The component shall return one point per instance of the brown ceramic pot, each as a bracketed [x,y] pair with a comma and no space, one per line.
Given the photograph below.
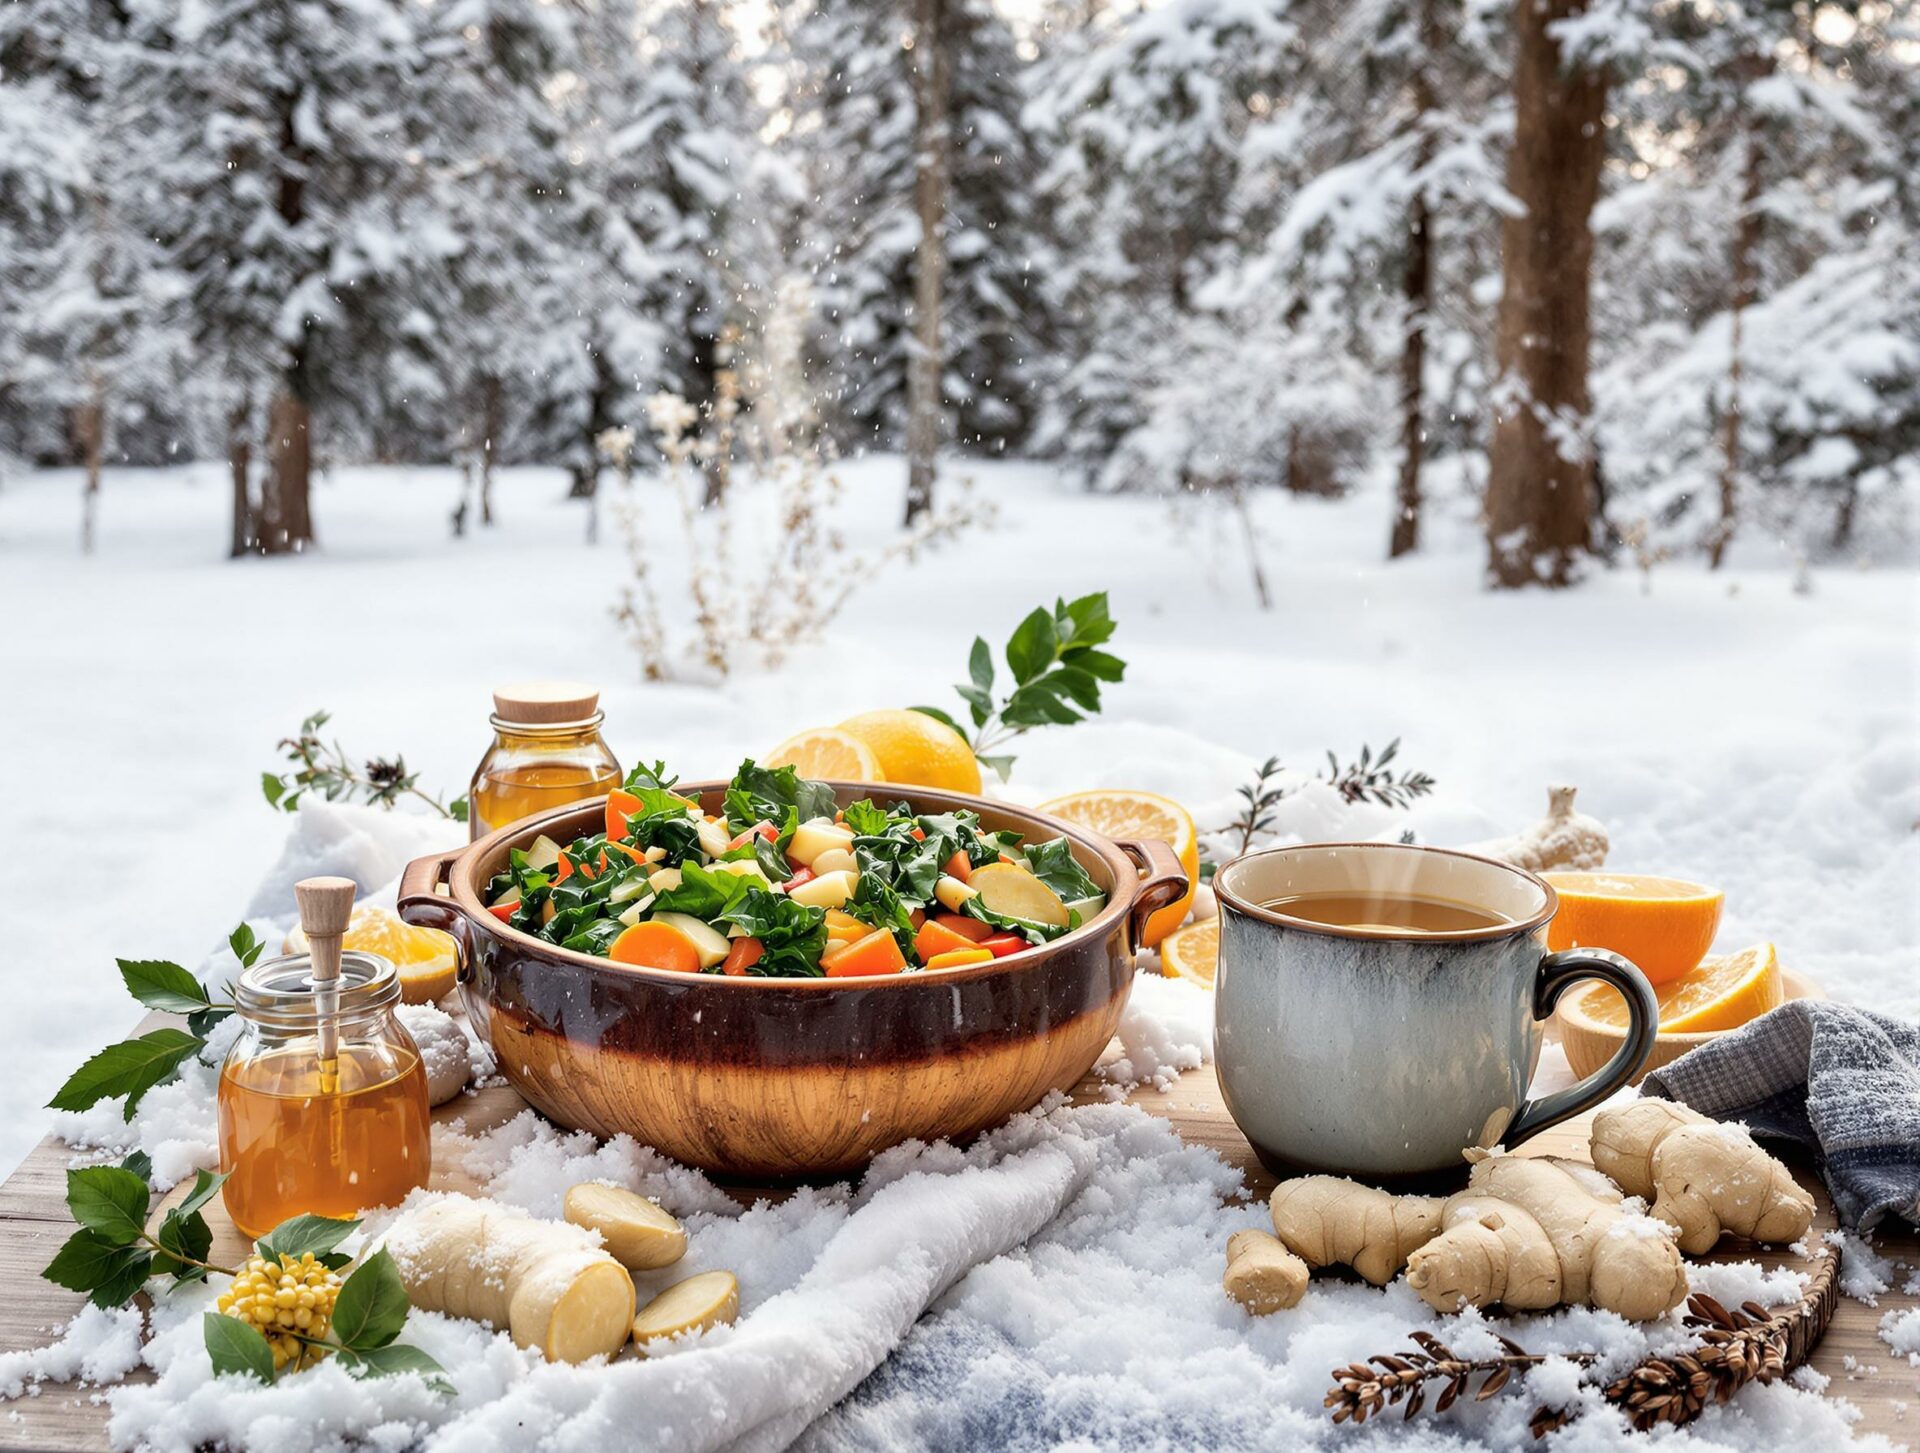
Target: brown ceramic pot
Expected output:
[791,1078]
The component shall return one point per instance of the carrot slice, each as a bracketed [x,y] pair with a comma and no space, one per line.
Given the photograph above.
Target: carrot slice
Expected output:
[656,946]
[745,953]
[971,929]
[936,938]
[958,866]
[620,807]
[503,911]
[877,953]
[954,958]
[1002,944]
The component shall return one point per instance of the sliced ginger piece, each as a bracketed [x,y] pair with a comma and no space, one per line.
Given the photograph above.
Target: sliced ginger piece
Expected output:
[693,1305]
[640,1235]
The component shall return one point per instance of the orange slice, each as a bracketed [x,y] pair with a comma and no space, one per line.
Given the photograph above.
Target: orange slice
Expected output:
[1724,992]
[425,958]
[827,752]
[1192,953]
[1124,814]
[1665,925]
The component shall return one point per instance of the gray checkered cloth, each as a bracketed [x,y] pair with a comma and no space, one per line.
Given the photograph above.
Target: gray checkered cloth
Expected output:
[1842,1082]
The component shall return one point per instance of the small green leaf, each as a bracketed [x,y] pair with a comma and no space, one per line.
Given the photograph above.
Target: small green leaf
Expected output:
[235,1346]
[131,1067]
[1084,622]
[392,1360]
[1098,664]
[201,1022]
[140,1163]
[980,664]
[161,985]
[301,1234]
[88,1261]
[186,1239]
[246,947]
[204,1188]
[1001,766]
[372,1306]
[109,1201]
[457,810]
[1032,647]
[272,788]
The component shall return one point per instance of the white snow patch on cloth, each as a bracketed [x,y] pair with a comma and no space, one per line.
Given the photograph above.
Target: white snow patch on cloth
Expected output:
[1901,1331]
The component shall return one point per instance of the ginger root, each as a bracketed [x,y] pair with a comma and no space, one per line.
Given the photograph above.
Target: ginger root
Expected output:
[1705,1177]
[1562,839]
[545,1282]
[1262,1275]
[1526,1233]
[1331,1221]
[639,1234]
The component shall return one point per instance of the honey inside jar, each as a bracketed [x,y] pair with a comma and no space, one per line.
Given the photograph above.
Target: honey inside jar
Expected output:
[299,1136]
[547,752]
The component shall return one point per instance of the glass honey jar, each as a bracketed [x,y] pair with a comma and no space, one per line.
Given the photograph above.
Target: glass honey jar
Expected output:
[300,1133]
[546,753]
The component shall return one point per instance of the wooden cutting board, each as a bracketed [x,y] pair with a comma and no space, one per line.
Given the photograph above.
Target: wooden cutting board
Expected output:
[34,1221]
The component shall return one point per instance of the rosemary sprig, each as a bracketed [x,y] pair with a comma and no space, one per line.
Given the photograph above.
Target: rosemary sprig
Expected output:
[1364,1389]
[1367,778]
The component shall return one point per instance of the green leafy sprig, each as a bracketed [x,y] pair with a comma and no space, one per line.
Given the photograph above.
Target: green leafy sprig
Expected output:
[324,767]
[134,1066]
[1057,669]
[112,1254]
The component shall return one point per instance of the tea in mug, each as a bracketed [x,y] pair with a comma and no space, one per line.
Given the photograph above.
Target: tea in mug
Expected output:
[1387,913]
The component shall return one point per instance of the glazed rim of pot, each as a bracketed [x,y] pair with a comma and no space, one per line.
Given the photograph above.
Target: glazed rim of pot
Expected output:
[1119,864]
[1550,900]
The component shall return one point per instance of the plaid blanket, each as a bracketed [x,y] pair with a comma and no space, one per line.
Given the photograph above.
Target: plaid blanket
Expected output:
[1842,1082]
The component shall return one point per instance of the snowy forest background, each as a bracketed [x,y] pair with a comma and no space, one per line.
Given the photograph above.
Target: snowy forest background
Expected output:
[1643,274]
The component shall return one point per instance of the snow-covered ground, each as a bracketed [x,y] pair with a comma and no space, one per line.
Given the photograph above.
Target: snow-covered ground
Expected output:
[1725,726]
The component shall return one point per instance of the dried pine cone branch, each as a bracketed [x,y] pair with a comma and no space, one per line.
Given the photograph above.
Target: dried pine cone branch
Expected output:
[1753,1345]
[1365,1388]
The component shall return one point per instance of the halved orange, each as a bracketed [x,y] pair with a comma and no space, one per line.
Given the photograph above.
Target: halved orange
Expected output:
[425,958]
[1192,952]
[1125,814]
[827,752]
[1724,992]
[1665,925]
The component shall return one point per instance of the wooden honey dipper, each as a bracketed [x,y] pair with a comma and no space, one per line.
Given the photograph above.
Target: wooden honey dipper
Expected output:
[326,906]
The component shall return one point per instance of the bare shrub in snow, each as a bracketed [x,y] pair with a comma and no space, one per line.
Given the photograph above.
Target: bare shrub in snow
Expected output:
[766,564]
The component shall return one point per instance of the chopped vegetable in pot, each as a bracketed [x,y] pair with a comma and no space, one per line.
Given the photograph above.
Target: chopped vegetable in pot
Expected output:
[786,884]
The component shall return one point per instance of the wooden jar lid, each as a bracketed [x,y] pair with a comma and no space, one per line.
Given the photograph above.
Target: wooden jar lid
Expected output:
[545,703]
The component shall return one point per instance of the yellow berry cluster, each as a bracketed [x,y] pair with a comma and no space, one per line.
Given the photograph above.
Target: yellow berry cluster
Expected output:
[281,1299]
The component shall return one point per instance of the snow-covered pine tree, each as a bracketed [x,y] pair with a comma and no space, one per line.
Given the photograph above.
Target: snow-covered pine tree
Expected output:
[854,137]
[1764,203]
[659,130]
[276,154]
[1171,148]
[85,335]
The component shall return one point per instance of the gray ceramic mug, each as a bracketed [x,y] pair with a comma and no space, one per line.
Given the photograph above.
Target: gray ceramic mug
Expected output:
[1383,1053]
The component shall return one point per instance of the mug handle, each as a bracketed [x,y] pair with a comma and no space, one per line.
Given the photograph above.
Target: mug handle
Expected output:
[1558,973]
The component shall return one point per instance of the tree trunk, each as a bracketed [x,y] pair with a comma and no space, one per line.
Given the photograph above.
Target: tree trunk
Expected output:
[289,526]
[89,431]
[1539,484]
[490,390]
[924,367]
[1746,286]
[1418,283]
[245,537]
[289,515]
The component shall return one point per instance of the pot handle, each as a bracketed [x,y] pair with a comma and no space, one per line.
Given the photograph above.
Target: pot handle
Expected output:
[422,903]
[1163,881]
